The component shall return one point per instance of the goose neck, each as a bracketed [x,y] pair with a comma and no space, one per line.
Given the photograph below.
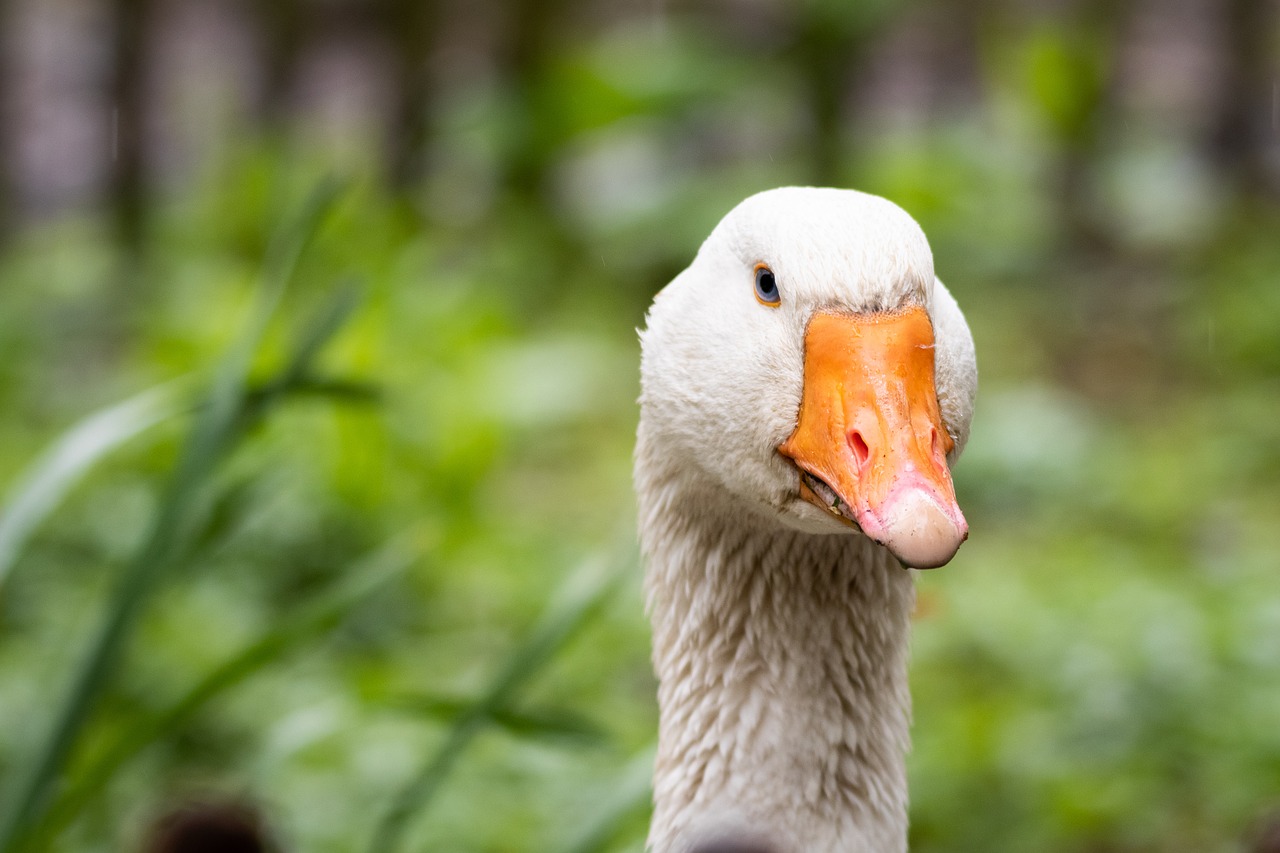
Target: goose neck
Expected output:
[781,658]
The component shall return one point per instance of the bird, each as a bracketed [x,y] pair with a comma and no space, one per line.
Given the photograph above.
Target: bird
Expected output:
[806,385]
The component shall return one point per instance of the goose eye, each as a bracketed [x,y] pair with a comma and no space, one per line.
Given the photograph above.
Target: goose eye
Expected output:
[766,287]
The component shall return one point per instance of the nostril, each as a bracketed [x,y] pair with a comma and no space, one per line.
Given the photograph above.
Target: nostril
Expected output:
[935,448]
[861,452]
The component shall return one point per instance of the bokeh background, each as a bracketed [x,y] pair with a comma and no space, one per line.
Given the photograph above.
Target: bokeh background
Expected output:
[318,369]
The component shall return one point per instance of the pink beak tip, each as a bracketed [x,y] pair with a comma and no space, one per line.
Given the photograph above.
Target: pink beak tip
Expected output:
[920,527]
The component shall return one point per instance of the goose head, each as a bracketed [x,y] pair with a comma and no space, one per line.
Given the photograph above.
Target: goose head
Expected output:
[809,368]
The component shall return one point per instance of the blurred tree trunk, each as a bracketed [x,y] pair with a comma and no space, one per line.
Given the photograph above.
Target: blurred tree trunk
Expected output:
[8,143]
[1098,45]
[954,67]
[126,181]
[410,26]
[522,60]
[831,52]
[823,67]
[1244,127]
[283,31]
[530,135]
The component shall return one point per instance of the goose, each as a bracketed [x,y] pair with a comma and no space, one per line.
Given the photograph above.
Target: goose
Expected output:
[806,384]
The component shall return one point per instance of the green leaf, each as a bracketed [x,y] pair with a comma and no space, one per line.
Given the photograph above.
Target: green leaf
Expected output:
[579,599]
[306,622]
[41,488]
[217,426]
[632,794]
[1066,76]
[297,371]
[556,724]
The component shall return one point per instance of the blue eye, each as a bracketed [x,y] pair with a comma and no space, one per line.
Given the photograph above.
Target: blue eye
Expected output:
[767,287]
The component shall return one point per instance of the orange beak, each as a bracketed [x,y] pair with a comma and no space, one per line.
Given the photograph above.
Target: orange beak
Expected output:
[870,443]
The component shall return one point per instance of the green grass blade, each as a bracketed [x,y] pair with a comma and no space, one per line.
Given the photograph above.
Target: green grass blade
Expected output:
[215,429]
[324,326]
[581,597]
[553,724]
[41,488]
[632,794]
[332,387]
[297,372]
[228,387]
[321,614]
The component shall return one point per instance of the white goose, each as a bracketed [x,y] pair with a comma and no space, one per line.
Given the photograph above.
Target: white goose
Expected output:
[805,384]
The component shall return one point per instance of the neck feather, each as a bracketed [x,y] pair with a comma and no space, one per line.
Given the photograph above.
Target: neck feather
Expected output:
[781,658]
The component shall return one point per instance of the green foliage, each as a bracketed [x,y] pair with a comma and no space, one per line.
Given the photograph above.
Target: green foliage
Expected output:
[1066,74]
[585,594]
[262,573]
[41,488]
[221,417]
[300,626]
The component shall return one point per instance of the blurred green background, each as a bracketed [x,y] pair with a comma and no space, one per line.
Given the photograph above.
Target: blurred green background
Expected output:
[315,489]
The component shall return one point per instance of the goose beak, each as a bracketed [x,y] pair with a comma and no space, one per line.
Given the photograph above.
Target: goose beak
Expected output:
[869,442]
